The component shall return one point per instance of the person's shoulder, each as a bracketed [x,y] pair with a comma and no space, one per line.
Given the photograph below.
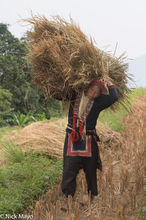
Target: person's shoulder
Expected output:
[98,99]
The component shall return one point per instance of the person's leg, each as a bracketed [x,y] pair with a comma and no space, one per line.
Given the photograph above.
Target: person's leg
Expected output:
[70,170]
[90,168]
[71,166]
[90,165]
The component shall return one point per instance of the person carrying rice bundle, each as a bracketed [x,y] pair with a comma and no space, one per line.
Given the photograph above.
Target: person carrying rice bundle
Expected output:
[67,66]
[80,147]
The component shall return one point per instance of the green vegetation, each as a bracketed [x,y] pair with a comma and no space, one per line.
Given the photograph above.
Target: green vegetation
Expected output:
[22,120]
[27,177]
[5,106]
[5,100]
[114,119]
[18,95]
[137,92]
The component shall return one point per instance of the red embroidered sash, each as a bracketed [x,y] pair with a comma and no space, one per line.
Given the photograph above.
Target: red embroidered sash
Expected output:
[78,145]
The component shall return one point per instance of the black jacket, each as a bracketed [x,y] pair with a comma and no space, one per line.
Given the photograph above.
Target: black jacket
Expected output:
[100,103]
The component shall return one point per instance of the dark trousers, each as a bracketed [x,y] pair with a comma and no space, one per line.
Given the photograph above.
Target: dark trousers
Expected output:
[71,167]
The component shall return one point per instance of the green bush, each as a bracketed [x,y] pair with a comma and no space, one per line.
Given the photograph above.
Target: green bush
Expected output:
[40,117]
[23,120]
[6,118]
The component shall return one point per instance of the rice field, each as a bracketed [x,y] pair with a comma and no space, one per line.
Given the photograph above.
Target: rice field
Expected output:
[121,185]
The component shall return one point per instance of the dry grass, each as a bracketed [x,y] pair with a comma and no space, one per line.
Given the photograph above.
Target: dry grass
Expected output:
[41,137]
[48,137]
[121,185]
[64,59]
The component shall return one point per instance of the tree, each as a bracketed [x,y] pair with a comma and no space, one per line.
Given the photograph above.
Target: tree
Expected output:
[5,107]
[13,67]
[15,76]
[5,100]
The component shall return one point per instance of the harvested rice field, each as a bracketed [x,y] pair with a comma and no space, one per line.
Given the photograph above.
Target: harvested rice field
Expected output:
[121,184]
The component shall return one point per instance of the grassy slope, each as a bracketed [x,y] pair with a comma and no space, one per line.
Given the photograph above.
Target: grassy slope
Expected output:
[113,119]
[27,177]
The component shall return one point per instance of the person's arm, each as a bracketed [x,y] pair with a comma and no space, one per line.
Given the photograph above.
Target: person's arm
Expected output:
[111,98]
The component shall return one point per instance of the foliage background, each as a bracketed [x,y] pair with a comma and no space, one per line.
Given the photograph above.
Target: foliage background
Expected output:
[17,92]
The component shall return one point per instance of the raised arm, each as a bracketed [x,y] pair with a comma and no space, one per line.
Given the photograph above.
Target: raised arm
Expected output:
[111,98]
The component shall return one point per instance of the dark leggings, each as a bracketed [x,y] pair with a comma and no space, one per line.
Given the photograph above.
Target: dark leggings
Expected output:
[72,165]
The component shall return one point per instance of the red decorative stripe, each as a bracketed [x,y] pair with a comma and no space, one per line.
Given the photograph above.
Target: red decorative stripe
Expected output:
[86,152]
[82,119]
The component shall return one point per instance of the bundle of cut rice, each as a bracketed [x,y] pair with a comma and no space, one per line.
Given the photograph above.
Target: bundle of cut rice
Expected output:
[65,60]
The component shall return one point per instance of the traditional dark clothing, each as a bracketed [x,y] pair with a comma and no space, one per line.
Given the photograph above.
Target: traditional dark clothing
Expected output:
[80,147]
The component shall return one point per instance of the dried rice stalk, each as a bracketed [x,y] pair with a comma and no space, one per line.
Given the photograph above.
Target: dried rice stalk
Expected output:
[65,60]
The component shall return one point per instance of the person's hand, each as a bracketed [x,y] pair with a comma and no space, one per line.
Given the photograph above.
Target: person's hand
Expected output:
[110,83]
